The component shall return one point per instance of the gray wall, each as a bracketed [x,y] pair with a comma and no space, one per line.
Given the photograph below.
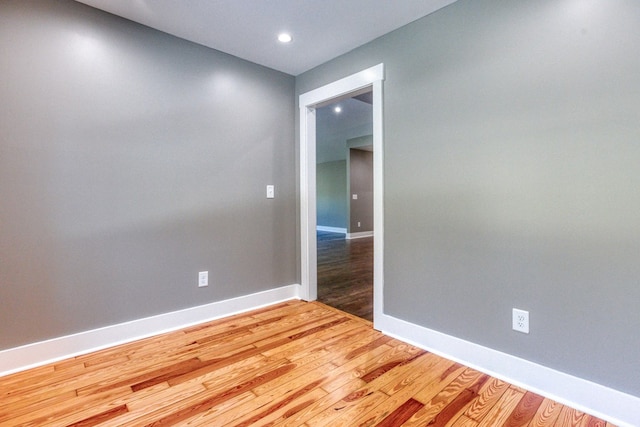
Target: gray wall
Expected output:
[331,194]
[512,177]
[360,183]
[129,161]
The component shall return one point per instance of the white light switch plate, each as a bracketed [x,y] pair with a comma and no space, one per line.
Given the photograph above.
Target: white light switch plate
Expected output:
[271,191]
[203,279]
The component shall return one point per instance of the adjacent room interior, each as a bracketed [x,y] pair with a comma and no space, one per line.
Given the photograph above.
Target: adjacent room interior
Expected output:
[344,194]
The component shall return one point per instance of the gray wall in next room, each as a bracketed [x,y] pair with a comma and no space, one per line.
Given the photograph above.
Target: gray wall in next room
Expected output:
[511,177]
[331,194]
[361,184]
[129,161]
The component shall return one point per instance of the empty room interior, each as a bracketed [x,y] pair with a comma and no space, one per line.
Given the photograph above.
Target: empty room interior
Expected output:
[344,204]
[164,194]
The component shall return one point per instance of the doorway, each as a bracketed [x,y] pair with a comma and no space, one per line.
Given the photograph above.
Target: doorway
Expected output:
[369,80]
[344,205]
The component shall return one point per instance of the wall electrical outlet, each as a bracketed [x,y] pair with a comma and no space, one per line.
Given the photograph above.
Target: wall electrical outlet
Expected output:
[203,279]
[521,321]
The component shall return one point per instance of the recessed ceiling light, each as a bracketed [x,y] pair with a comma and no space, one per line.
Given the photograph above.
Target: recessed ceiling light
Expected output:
[338,109]
[284,38]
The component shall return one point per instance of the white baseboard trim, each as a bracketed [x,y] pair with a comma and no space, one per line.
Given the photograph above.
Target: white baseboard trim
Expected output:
[41,353]
[359,235]
[608,404]
[331,229]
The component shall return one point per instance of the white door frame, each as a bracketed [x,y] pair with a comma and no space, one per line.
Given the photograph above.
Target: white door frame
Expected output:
[308,102]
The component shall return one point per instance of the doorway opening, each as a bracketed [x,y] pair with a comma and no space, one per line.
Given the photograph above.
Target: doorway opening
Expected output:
[344,204]
[366,81]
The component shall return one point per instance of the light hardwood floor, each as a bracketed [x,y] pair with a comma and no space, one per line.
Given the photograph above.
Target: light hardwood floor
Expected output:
[292,364]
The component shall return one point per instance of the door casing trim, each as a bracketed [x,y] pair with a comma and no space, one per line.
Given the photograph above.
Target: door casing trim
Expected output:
[372,77]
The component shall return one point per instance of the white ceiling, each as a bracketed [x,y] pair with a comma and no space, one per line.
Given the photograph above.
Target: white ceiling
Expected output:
[334,129]
[321,29]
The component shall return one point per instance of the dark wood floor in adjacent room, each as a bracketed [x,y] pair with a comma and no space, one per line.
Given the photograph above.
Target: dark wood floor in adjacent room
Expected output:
[345,273]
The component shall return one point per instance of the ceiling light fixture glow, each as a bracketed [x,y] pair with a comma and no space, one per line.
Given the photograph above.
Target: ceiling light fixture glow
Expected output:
[338,109]
[284,38]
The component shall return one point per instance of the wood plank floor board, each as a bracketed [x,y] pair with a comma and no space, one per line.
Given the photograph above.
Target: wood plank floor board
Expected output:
[526,409]
[276,402]
[177,412]
[351,342]
[356,369]
[424,362]
[231,374]
[491,392]
[18,379]
[98,381]
[320,405]
[279,411]
[318,344]
[400,406]
[216,415]
[28,406]
[546,414]
[268,333]
[137,369]
[342,331]
[501,411]
[464,421]
[447,399]
[257,328]
[381,364]
[305,372]
[569,417]
[348,409]
[451,412]
[68,411]
[294,364]
[368,395]
[392,360]
[435,371]
[400,414]
[267,339]
[353,326]
[278,339]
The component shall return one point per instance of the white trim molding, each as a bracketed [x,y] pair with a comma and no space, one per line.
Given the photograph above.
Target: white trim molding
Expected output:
[41,353]
[359,235]
[365,80]
[331,229]
[603,402]
[343,86]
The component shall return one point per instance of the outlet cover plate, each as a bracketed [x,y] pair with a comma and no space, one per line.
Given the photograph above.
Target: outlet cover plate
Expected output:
[521,320]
